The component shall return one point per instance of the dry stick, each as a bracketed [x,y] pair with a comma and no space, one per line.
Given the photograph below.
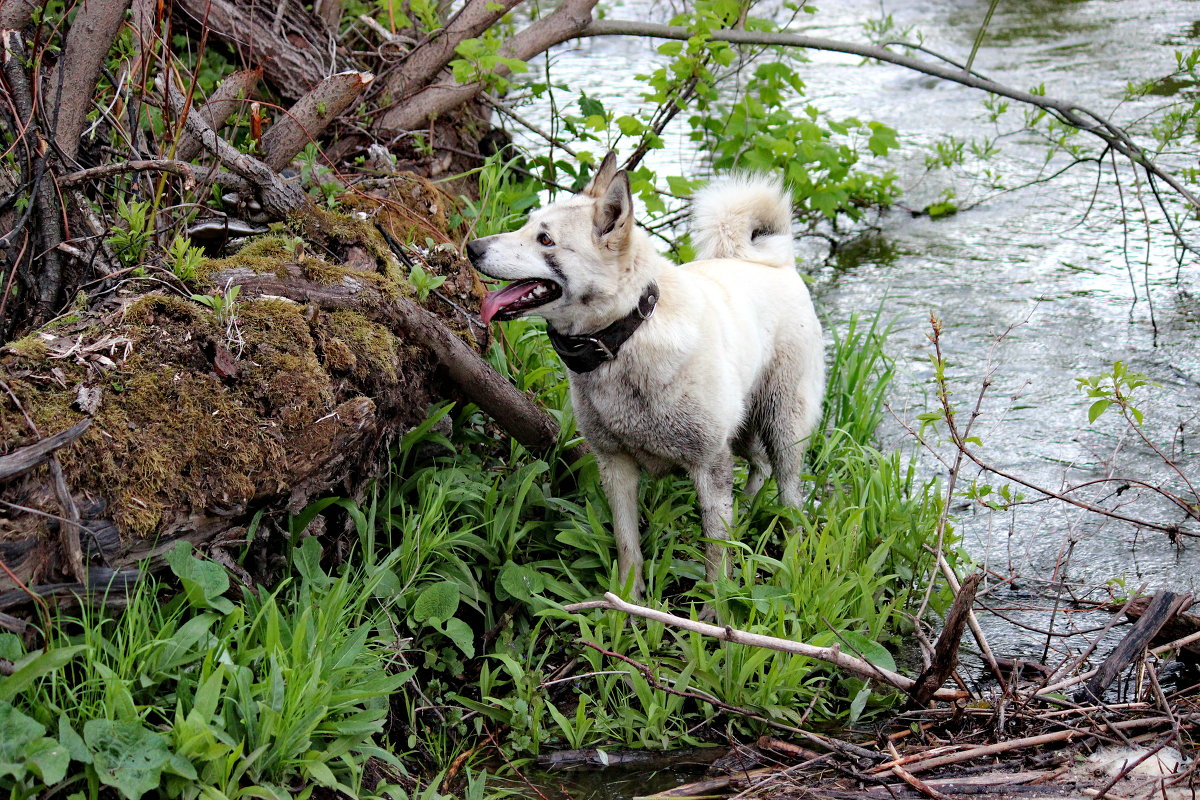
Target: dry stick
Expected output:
[945,652]
[832,655]
[175,167]
[279,197]
[1069,682]
[1161,609]
[310,115]
[26,458]
[1014,744]
[918,784]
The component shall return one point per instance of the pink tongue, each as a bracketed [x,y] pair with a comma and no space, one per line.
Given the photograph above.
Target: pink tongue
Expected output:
[501,298]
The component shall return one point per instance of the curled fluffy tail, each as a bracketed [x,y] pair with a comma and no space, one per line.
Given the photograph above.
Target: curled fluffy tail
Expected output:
[747,216]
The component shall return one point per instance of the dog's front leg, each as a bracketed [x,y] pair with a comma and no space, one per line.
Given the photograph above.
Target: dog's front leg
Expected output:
[620,475]
[714,491]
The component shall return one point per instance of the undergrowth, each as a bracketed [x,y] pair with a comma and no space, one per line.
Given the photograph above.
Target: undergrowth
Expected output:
[450,612]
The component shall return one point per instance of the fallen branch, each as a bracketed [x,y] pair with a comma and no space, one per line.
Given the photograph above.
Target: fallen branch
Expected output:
[1161,609]
[74,80]
[831,655]
[311,114]
[945,652]
[26,458]
[984,751]
[175,167]
[220,106]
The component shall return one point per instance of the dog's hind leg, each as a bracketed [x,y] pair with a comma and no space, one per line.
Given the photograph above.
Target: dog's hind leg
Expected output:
[620,475]
[760,465]
[714,491]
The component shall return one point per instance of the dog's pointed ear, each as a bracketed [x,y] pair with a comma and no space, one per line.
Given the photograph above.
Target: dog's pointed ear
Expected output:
[603,176]
[614,211]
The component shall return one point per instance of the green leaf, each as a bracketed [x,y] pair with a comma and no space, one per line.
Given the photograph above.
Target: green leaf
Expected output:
[461,634]
[630,126]
[49,760]
[1098,408]
[72,741]
[859,703]
[126,755]
[437,603]
[203,581]
[521,581]
[17,731]
[34,666]
[859,645]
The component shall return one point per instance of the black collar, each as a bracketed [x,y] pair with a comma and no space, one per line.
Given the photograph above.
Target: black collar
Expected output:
[585,352]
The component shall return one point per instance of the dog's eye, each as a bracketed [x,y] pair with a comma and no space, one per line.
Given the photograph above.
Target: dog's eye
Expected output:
[544,240]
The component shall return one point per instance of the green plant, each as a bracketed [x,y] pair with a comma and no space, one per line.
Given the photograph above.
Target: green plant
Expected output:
[130,243]
[223,305]
[184,258]
[423,281]
[202,696]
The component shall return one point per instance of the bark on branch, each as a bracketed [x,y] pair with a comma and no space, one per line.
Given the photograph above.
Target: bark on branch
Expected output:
[219,107]
[311,115]
[74,80]
[566,22]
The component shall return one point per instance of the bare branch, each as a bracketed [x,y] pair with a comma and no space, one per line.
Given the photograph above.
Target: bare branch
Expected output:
[279,197]
[180,168]
[831,655]
[219,107]
[423,63]
[1067,112]
[311,114]
[565,22]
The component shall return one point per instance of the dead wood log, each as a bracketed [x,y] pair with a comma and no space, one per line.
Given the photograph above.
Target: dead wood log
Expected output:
[311,115]
[1178,626]
[290,43]
[1159,610]
[211,421]
[24,459]
[945,652]
[16,14]
[568,20]
[74,79]
[218,108]
[422,64]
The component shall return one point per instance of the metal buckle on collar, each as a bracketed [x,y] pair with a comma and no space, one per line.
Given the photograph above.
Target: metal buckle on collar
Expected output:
[605,353]
[653,301]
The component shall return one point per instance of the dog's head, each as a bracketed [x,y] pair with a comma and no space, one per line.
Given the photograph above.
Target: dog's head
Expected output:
[567,262]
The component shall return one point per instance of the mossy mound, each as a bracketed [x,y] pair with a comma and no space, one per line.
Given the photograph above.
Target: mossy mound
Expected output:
[194,416]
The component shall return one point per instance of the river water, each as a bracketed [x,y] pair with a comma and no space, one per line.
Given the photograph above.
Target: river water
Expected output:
[1036,286]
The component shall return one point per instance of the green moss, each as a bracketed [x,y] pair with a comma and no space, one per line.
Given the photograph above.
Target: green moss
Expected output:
[372,348]
[281,362]
[320,224]
[264,255]
[154,308]
[29,348]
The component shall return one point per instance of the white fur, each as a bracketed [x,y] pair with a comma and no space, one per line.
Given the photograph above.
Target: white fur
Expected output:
[731,362]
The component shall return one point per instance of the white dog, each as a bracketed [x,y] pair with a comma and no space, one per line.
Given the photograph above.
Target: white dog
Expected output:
[672,366]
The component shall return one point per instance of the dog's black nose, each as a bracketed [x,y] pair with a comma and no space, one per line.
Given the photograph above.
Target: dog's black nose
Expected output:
[475,250]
